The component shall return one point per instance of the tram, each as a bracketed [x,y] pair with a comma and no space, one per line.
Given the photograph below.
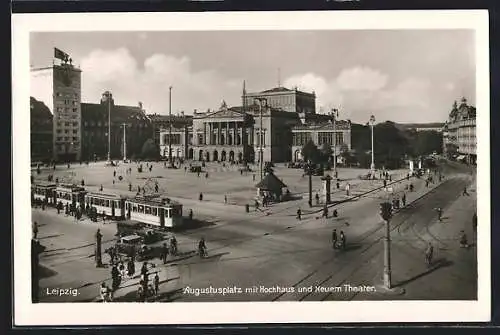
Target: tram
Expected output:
[111,205]
[154,211]
[70,194]
[44,192]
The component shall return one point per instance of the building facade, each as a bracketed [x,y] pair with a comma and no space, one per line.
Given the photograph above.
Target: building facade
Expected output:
[459,132]
[336,136]
[59,88]
[269,124]
[41,131]
[130,121]
[178,138]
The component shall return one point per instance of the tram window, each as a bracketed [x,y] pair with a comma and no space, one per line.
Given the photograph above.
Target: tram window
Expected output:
[107,203]
[174,211]
[155,211]
[134,208]
[167,213]
[141,209]
[147,210]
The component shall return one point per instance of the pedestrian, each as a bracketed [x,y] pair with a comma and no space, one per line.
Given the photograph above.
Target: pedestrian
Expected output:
[325,211]
[256,205]
[342,240]
[427,183]
[103,217]
[334,239]
[465,192]
[113,181]
[463,240]
[100,188]
[440,212]
[299,214]
[254,177]
[225,199]
[347,188]
[206,175]
[157,283]
[201,197]
[130,268]
[35,230]
[129,187]
[83,182]
[428,253]
[474,222]
[164,253]
[104,292]
[115,276]
[190,214]
[317,198]
[140,292]
[335,213]
[403,199]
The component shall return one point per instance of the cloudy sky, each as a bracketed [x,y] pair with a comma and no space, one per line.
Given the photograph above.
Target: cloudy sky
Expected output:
[403,76]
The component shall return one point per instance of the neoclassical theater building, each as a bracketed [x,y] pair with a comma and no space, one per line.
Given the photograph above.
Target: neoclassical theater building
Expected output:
[273,124]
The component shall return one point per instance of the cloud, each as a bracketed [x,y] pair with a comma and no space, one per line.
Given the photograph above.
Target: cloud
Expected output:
[119,72]
[361,78]
[361,91]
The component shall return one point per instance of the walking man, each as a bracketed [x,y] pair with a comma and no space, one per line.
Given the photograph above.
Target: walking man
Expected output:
[35,230]
[156,283]
[325,211]
[440,213]
[299,214]
[225,199]
[403,199]
[347,188]
[465,192]
[334,239]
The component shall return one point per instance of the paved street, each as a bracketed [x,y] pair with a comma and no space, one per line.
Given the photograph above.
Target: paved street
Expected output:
[265,253]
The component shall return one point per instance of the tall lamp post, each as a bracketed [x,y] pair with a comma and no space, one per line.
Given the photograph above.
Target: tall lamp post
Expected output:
[109,127]
[372,166]
[124,125]
[262,105]
[335,114]
[170,161]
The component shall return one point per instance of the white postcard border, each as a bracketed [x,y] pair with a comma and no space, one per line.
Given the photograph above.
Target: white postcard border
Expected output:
[26,313]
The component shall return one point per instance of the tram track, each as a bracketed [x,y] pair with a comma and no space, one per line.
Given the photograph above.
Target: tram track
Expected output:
[374,253]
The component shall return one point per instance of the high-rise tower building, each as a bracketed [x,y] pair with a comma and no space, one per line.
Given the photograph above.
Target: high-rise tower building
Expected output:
[59,87]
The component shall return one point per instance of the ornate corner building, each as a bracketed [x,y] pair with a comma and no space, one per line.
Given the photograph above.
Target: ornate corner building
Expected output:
[459,134]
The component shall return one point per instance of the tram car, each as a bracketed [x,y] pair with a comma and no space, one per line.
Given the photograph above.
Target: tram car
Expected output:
[111,205]
[70,194]
[44,192]
[157,212]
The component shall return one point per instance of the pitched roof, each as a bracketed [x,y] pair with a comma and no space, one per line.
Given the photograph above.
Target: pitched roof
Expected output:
[277,89]
[39,110]
[270,183]
[118,113]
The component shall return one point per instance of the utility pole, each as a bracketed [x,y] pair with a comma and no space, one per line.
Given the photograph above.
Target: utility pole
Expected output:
[372,166]
[109,127]
[262,103]
[124,125]
[334,115]
[170,161]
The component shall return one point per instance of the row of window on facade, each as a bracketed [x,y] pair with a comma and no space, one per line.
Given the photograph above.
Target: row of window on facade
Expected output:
[66,147]
[230,140]
[142,209]
[66,131]
[66,138]
[302,138]
[67,124]
[274,101]
[105,124]
[74,95]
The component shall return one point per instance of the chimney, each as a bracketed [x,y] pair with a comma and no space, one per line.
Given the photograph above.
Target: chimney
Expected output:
[140,105]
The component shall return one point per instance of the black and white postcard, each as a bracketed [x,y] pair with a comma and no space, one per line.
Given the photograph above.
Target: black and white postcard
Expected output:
[265,167]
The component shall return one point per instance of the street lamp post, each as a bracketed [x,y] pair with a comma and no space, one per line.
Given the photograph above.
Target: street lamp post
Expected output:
[171,163]
[109,128]
[372,166]
[262,103]
[334,116]
[124,125]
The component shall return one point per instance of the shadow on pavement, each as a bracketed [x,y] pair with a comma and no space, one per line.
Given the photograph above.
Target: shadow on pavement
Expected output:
[50,236]
[193,224]
[349,247]
[436,264]
[44,272]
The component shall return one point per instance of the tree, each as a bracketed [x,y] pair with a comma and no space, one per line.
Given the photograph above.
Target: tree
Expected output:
[310,152]
[150,150]
[326,152]
[427,142]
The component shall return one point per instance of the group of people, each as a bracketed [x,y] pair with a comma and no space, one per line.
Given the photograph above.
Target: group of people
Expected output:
[168,250]
[338,242]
